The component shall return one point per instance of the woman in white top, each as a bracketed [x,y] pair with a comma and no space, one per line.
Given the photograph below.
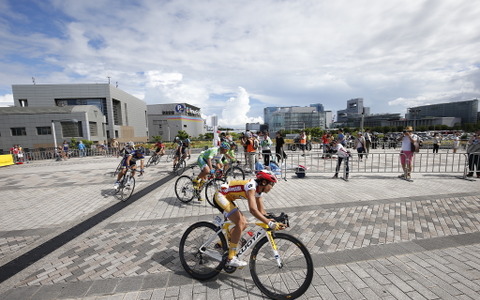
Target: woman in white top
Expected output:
[409,139]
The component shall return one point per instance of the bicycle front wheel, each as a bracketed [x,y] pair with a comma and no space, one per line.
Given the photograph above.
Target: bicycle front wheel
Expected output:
[127,187]
[289,280]
[184,188]
[234,173]
[211,187]
[202,259]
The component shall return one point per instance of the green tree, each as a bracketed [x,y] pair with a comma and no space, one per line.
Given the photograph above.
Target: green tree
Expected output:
[182,134]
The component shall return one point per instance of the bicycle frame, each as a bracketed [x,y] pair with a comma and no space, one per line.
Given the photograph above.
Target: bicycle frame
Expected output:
[224,227]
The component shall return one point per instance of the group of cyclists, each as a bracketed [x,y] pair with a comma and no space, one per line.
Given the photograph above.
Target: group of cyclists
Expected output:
[209,160]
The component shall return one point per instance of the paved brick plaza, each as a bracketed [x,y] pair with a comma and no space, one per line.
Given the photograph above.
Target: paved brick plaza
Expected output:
[373,237]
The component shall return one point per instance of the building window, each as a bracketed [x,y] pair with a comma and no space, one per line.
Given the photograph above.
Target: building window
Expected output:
[44,130]
[71,129]
[17,131]
[93,128]
[23,102]
[117,112]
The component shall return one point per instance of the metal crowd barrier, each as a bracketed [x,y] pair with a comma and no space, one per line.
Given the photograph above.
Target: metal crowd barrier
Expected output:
[377,163]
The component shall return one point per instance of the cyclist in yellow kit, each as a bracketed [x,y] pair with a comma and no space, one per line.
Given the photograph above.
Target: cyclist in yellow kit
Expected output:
[252,190]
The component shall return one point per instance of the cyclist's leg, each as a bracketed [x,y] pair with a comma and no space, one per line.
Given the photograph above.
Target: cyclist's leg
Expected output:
[231,211]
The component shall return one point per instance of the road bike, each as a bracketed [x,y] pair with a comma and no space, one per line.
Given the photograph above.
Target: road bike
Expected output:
[280,264]
[127,185]
[170,155]
[186,189]
[234,172]
[153,160]
[119,167]
[180,166]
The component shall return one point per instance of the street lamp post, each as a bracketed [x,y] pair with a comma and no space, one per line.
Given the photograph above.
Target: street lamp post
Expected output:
[55,135]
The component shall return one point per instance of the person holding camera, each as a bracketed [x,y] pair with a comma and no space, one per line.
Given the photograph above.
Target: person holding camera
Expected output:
[409,141]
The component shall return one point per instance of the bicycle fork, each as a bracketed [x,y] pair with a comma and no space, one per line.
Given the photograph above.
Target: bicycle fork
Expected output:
[275,253]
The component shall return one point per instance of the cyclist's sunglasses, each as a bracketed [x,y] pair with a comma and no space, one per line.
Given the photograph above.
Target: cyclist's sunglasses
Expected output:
[271,183]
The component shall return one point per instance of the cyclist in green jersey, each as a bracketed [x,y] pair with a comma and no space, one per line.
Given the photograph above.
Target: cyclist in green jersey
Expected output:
[207,159]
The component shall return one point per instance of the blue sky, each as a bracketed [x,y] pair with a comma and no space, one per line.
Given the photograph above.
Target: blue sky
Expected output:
[232,58]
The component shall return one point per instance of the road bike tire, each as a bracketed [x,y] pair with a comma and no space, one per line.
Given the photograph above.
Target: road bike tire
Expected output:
[211,187]
[180,167]
[309,146]
[184,189]
[117,170]
[151,161]
[126,190]
[196,261]
[170,155]
[291,280]
[234,173]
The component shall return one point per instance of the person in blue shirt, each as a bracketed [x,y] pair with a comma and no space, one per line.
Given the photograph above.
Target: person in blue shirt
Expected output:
[81,148]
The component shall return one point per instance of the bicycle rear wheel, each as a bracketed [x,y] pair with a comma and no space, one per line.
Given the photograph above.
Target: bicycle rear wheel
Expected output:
[234,173]
[127,187]
[292,278]
[184,188]
[211,187]
[202,261]
[118,169]
[153,160]
[180,167]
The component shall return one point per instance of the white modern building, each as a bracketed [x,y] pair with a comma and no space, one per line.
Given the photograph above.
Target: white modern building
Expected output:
[166,120]
[124,116]
[33,127]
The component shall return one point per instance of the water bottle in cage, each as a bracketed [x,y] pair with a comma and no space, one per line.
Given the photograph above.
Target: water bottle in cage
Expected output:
[244,238]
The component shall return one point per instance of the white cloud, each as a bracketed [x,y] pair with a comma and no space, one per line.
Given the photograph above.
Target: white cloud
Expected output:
[6,100]
[391,53]
[234,114]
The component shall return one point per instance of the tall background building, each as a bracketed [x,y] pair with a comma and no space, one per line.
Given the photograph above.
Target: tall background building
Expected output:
[297,118]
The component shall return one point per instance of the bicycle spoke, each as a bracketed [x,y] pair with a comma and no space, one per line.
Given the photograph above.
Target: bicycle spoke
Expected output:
[184,189]
[293,278]
[202,261]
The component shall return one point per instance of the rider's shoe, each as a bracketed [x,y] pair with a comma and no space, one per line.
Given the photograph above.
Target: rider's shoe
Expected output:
[235,262]
[116,185]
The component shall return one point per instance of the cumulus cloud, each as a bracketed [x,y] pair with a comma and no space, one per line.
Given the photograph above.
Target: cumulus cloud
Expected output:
[235,112]
[391,53]
[6,100]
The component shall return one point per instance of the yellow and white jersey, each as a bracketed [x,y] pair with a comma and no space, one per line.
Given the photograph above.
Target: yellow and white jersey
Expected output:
[236,189]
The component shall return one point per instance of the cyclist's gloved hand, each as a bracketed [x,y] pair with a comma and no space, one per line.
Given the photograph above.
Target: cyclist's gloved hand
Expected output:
[212,171]
[276,225]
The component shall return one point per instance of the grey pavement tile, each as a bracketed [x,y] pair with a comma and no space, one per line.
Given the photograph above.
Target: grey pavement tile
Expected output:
[20,293]
[156,281]
[47,292]
[128,284]
[103,287]
[75,289]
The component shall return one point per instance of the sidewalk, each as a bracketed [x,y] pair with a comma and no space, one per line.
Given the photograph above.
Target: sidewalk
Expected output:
[374,237]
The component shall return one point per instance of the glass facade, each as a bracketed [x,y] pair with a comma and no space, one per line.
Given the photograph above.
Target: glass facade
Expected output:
[466,110]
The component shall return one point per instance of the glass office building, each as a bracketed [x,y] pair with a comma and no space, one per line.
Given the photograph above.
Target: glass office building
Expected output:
[467,111]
